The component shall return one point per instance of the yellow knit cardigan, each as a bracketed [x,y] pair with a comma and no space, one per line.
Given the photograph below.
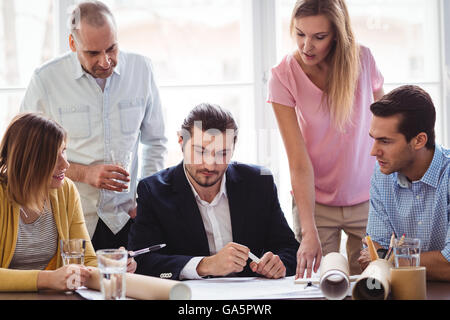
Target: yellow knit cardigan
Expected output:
[69,219]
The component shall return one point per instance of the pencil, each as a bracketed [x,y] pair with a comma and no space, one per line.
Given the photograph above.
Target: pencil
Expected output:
[391,245]
[400,242]
[372,250]
[254,258]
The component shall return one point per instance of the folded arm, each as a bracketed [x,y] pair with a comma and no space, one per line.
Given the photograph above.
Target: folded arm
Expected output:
[438,268]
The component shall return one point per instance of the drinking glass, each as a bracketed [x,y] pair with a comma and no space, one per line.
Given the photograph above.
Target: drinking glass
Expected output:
[72,251]
[407,252]
[122,158]
[112,264]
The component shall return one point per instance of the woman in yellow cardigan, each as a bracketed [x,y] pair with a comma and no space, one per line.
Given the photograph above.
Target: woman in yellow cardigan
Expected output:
[38,207]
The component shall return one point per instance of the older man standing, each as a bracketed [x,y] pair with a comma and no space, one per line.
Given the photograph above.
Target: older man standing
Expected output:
[107,101]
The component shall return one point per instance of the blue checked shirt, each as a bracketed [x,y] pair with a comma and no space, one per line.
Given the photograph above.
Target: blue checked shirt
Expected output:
[420,209]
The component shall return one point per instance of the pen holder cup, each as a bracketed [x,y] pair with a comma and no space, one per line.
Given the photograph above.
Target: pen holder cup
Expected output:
[374,282]
[334,279]
[409,283]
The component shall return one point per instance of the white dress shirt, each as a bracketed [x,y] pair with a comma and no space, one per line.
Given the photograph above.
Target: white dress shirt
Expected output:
[127,112]
[217,222]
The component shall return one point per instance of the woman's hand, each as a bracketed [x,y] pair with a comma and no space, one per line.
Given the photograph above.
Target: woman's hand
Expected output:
[67,278]
[309,255]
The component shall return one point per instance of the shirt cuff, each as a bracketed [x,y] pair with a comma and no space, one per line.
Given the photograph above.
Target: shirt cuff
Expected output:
[189,272]
[446,253]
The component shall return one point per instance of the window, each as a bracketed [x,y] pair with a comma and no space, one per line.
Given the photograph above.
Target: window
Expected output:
[26,41]
[220,51]
[404,37]
[404,42]
[201,52]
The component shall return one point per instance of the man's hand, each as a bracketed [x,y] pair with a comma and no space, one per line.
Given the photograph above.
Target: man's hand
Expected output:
[232,258]
[131,263]
[270,266]
[364,258]
[309,255]
[107,176]
[133,213]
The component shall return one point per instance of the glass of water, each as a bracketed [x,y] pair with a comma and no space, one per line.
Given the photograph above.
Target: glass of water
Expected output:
[122,158]
[407,252]
[112,264]
[72,251]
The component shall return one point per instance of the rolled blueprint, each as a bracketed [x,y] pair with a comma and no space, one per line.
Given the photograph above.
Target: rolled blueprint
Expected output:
[147,288]
[374,282]
[334,276]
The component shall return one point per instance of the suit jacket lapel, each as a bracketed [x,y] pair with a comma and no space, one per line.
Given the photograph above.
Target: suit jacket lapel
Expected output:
[188,212]
[237,204]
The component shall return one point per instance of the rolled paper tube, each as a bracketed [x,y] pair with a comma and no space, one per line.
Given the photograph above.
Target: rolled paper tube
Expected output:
[372,250]
[374,282]
[146,288]
[334,278]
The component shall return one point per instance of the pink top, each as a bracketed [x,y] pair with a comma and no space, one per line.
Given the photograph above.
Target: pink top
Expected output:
[341,160]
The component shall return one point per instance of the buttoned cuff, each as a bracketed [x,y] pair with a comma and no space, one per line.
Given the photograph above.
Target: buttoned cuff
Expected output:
[189,272]
[446,253]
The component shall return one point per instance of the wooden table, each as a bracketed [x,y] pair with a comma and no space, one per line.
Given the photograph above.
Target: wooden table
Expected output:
[435,291]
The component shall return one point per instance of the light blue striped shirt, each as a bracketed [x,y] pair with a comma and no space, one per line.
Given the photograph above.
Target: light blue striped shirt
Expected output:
[420,209]
[126,114]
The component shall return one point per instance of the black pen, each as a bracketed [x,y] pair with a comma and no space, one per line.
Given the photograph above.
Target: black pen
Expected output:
[132,254]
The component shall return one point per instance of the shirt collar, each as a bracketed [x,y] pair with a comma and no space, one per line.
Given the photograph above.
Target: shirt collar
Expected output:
[431,176]
[222,190]
[118,67]
[78,70]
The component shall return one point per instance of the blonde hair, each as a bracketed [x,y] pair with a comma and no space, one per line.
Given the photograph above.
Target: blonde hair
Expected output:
[343,58]
[28,155]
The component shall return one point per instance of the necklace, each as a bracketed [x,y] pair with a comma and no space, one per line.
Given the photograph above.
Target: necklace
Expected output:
[39,213]
[24,213]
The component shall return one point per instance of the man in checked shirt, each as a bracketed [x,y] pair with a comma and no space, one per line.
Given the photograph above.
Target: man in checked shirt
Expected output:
[410,187]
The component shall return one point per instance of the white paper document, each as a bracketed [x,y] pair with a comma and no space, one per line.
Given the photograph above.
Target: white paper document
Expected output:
[90,294]
[252,289]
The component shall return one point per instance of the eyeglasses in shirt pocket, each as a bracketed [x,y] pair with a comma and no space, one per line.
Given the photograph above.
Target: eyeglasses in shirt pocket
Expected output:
[76,121]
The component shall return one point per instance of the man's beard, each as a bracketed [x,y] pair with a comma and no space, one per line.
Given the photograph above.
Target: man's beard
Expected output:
[96,74]
[205,184]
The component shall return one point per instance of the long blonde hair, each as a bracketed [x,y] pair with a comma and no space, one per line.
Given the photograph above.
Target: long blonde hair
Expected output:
[28,155]
[343,58]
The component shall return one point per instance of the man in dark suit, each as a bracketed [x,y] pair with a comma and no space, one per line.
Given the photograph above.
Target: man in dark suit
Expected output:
[210,212]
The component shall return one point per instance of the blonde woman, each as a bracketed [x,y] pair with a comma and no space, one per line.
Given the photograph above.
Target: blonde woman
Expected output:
[321,95]
[38,206]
